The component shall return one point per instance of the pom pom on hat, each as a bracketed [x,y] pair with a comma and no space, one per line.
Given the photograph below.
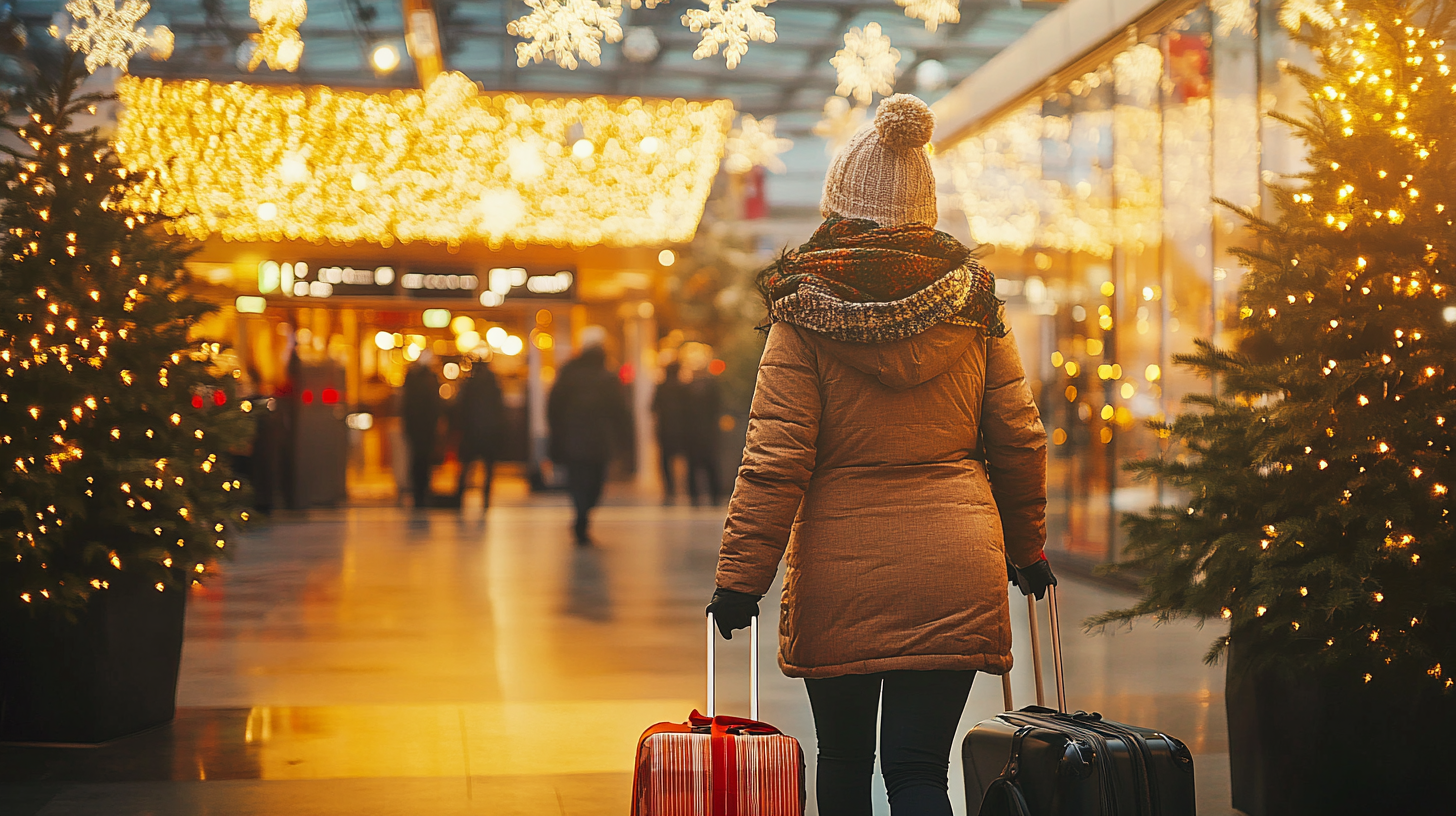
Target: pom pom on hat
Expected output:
[904,122]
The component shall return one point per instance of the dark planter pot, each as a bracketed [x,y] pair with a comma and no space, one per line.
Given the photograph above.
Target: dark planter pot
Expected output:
[1326,743]
[110,673]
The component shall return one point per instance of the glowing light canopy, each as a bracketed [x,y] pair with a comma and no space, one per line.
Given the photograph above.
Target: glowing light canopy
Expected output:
[447,165]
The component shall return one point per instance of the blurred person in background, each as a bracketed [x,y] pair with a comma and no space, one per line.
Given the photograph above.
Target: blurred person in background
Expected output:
[667,405]
[589,418]
[480,415]
[702,404]
[421,413]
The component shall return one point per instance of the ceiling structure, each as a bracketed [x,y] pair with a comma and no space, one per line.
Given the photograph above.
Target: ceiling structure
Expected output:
[790,78]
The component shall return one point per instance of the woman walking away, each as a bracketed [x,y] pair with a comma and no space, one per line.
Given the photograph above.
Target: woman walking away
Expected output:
[895,453]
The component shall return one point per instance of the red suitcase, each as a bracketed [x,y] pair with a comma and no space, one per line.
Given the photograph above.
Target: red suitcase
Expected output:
[719,765]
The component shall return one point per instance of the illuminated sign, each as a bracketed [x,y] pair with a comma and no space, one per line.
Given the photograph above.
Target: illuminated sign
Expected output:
[557,284]
[303,279]
[517,281]
[437,285]
[298,279]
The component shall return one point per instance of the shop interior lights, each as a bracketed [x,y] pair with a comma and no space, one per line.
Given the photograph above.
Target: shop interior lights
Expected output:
[447,165]
[1001,184]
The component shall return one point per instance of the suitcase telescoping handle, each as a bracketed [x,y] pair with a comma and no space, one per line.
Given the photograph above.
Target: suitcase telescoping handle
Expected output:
[1036,654]
[752,667]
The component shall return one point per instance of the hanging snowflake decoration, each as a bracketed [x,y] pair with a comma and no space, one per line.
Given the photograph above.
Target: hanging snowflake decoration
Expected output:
[1233,15]
[933,12]
[107,33]
[1293,12]
[866,64]
[563,30]
[278,43]
[730,26]
[840,121]
[754,144]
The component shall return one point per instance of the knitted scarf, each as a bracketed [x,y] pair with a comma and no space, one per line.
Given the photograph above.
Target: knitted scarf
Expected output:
[859,282]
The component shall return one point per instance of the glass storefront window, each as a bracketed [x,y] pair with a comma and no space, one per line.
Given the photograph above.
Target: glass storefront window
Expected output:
[1101,197]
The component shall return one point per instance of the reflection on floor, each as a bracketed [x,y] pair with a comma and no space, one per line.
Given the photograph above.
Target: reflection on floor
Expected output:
[377,661]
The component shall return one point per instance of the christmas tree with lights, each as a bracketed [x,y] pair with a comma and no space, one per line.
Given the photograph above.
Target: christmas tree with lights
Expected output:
[115,423]
[1314,485]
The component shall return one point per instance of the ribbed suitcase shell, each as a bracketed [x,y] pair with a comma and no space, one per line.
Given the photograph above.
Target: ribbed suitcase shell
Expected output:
[675,769]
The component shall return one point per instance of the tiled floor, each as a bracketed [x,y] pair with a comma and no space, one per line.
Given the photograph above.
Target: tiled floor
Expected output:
[375,661]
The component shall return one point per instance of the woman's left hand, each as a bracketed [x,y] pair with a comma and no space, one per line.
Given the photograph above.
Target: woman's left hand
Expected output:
[1032,580]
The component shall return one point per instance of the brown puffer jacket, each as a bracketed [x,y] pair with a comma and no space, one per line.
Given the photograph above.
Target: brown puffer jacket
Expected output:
[865,462]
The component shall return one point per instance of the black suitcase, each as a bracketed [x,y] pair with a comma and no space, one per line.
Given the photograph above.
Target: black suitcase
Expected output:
[1041,762]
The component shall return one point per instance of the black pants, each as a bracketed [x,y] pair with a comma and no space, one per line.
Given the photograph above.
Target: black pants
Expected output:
[917,730]
[467,463]
[584,480]
[421,467]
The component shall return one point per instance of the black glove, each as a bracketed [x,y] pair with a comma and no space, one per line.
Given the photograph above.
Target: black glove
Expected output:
[733,610]
[1032,580]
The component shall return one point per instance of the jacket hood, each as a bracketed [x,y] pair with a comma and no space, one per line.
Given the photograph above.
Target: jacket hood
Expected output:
[906,363]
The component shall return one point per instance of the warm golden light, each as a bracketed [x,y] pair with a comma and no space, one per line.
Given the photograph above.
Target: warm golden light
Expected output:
[446,165]
[385,58]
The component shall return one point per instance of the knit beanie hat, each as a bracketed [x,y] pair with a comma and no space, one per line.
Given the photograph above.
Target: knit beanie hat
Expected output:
[884,173]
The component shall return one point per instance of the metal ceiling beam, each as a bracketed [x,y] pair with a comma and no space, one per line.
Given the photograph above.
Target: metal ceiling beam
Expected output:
[476,34]
[817,48]
[816,56]
[341,80]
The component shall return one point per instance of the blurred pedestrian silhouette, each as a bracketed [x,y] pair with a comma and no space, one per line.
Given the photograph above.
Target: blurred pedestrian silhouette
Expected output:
[702,406]
[588,415]
[667,404]
[421,412]
[480,415]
